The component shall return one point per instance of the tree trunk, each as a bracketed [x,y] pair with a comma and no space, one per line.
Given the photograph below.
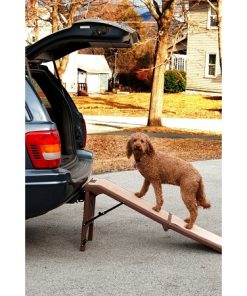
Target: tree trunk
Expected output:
[32,15]
[156,97]
[63,62]
[54,16]
[36,28]
[163,19]
[219,15]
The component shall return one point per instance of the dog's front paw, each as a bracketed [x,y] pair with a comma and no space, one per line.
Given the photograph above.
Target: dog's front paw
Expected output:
[138,194]
[156,208]
[189,225]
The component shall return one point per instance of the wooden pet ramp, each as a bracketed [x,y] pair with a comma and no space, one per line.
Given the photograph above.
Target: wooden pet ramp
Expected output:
[167,220]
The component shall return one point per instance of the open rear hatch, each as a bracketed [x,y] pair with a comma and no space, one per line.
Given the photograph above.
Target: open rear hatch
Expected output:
[82,34]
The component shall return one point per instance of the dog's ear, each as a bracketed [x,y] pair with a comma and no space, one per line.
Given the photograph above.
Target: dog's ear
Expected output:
[129,149]
[150,148]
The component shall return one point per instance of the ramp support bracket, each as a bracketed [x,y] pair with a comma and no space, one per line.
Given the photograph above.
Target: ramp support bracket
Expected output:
[102,213]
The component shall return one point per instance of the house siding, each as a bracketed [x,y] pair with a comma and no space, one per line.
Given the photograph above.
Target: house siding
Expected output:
[201,41]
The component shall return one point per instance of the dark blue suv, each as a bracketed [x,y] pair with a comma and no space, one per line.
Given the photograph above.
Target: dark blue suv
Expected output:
[57,164]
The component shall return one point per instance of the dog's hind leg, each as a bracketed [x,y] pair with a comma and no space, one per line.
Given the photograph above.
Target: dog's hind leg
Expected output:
[188,192]
[144,189]
[192,208]
[158,194]
[201,196]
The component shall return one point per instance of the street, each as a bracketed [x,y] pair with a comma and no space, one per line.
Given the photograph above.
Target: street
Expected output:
[130,254]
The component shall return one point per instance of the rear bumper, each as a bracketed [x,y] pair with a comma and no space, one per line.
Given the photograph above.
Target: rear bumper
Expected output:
[48,189]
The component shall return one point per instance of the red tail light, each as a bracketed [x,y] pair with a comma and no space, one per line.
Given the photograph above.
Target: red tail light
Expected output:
[44,149]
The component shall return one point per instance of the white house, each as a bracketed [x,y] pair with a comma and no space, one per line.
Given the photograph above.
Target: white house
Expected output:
[94,71]
[87,72]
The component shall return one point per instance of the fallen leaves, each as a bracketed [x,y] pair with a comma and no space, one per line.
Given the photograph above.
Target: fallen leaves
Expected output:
[110,150]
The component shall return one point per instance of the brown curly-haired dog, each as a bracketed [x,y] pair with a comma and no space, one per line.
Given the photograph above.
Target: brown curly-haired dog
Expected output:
[159,168]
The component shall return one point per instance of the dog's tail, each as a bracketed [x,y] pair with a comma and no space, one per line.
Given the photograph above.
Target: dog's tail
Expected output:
[201,196]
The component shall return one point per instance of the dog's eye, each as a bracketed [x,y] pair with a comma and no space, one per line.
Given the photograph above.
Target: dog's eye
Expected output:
[142,141]
[135,140]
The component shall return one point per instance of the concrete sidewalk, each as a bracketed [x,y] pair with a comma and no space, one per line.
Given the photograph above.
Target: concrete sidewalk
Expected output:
[96,124]
[130,254]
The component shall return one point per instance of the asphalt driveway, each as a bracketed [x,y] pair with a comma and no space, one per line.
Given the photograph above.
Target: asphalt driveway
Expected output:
[130,254]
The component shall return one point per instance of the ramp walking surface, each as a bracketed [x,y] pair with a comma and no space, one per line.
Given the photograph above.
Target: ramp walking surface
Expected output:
[130,254]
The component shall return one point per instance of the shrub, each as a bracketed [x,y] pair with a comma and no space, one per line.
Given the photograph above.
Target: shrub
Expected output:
[146,77]
[175,81]
[136,81]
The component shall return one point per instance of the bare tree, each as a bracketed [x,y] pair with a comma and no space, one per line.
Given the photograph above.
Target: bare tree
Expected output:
[167,34]
[32,16]
[60,14]
[163,15]
[124,60]
[71,14]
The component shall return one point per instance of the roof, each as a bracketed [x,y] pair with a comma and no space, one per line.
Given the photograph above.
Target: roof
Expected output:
[180,42]
[91,63]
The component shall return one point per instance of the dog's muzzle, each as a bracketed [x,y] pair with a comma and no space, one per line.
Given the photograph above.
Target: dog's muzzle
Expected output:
[137,148]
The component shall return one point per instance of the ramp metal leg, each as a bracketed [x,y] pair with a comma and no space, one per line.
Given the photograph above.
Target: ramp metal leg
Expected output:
[89,209]
[166,226]
[92,210]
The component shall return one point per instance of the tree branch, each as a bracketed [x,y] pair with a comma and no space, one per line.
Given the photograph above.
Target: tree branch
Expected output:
[166,4]
[212,5]
[152,9]
[156,5]
[181,27]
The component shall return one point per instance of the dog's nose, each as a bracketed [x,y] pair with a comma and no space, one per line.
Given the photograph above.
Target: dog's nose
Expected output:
[137,146]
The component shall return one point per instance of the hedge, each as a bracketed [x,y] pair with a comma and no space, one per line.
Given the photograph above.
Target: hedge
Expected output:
[175,81]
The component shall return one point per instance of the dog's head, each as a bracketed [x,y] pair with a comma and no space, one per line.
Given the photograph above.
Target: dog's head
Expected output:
[139,144]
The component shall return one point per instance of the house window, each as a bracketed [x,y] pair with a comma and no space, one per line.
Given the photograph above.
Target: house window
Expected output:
[212,18]
[210,70]
[178,62]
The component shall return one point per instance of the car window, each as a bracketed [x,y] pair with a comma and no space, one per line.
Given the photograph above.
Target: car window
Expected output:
[27,115]
[34,109]
[41,94]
